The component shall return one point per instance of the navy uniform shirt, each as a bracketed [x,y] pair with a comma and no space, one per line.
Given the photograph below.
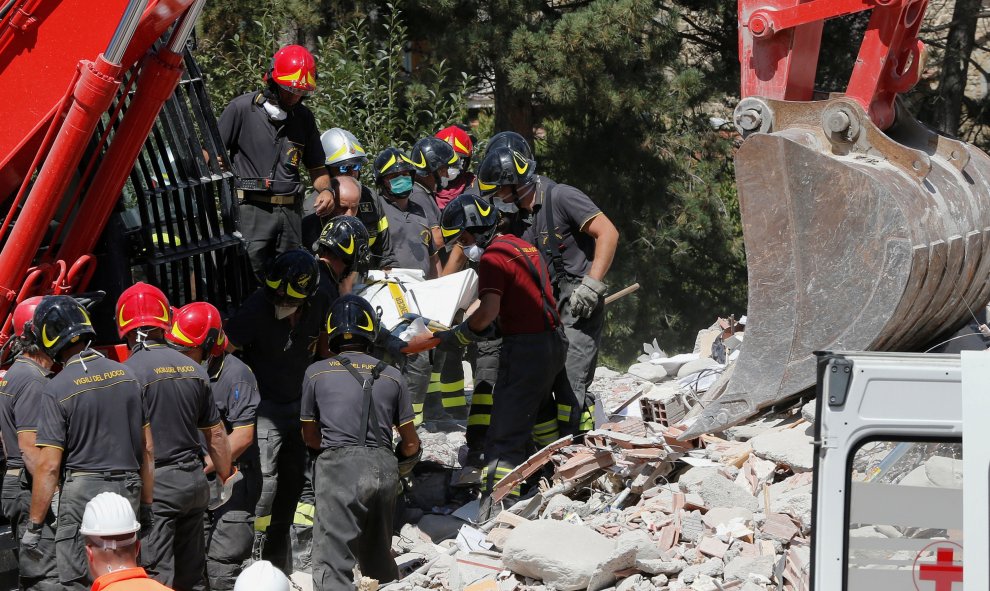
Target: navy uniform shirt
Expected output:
[94,411]
[180,403]
[335,400]
[411,236]
[329,284]
[235,393]
[20,404]
[572,210]
[262,148]
[276,351]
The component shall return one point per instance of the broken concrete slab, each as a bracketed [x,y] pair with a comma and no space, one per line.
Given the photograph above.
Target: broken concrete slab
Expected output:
[795,502]
[604,373]
[719,491]
[808,411]
[440,527]
[644,547]
[791,447]
[723,515]
[560,554]
[744,567]
[661,567]
[648,371]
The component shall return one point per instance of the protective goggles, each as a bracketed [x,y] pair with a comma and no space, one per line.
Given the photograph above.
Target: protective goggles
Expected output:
[345,168]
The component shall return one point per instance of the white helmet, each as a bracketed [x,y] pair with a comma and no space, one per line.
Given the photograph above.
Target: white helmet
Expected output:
[109,514]
[261,576]
[341,148]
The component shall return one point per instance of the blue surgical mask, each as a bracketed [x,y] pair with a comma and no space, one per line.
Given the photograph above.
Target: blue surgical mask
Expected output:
[400,186]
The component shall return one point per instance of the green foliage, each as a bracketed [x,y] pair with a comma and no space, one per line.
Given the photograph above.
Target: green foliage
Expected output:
[363,85]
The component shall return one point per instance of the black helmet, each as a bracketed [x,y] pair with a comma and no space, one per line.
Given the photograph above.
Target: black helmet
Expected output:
[472,214]
[293,277]
[430,154]
[346,238]
[512,140]
[60,321]
[392,161]
[504,166]
[351,317]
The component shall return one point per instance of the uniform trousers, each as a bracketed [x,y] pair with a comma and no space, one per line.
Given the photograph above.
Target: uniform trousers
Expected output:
[77,490]
[485,374]
[584,336]
[174,552]
[356,488]
[283,462]
[269,230]
[36,572]
[231,529]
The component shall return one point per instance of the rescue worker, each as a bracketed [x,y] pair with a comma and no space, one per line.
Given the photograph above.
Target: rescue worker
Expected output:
[340,249]
[515,290]
[460,140]
[21,391]
[198,333]
[577,242]
[350,404]
[346,159]
[436,165]
[269,135]
[279,329]
[94,426]
[180,406]
[112,545]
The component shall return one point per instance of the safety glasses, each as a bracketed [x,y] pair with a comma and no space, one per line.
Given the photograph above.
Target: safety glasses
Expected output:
[346,168]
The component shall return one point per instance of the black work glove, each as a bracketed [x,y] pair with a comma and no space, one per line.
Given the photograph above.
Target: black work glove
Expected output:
[31,539]
[461,336]
[146,519]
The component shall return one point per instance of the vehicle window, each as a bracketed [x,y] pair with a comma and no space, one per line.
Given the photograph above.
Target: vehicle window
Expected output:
[904,529]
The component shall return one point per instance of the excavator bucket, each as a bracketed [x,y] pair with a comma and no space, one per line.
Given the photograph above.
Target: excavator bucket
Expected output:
[856,239]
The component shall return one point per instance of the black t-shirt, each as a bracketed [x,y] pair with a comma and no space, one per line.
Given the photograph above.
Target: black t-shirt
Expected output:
[572,210]
[180,403]
[329,284]
[277,352]
[20,404]
[94,411]
[262,148]
[335,400]
[235,393]
[411,236]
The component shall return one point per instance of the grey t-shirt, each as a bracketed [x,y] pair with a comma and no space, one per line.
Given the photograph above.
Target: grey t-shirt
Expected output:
[180,403]
[335,400]
[572,210]
[411,236]
[235,393]
[20,404]
[94,411]
[425,200]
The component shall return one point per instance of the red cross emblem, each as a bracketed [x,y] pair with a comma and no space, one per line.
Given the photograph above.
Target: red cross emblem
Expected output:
[945,572]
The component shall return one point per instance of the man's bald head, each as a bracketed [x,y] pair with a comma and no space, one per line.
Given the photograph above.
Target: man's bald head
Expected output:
[347,195]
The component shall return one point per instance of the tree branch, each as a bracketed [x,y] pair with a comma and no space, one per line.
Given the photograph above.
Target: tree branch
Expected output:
[949,25]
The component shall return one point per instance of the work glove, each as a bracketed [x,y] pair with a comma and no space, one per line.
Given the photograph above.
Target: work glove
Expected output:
[31,539]
[146,517]
[585,297]
[460,336]
[221,493]
[406,465]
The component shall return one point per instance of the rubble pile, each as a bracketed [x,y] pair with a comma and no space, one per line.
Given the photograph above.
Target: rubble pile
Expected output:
[631,507]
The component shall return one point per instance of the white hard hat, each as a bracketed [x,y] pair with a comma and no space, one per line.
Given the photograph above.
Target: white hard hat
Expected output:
[108,514]
[261,576]
[341,147]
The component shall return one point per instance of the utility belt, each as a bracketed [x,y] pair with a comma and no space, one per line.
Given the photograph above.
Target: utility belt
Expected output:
[181,464]
[15,472]
[266,198]
[106,474]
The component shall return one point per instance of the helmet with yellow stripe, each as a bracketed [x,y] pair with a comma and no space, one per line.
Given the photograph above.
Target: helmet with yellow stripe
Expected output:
[469,214]
[293,69]
[431,154]
[504,166]
[352,320]
[459,139]
[198,325]
[346,238]
[293,277]
[60,321]
[393,173]
[343,151]
[142,306]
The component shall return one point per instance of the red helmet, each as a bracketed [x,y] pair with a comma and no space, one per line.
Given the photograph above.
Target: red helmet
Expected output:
[293,69]
[457,138]
[198,325]
[142,305]
[23,315]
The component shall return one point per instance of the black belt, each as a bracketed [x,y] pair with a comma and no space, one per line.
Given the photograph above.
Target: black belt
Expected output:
[102,474]
[268,199]
[182,464]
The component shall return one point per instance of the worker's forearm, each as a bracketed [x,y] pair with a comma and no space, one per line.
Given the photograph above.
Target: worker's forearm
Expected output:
[321,179]
[456,261]
[605,246]
[219,449]
[148,469]
[25,441]
[45,483]
[240,439]
[311,435]
[408,440]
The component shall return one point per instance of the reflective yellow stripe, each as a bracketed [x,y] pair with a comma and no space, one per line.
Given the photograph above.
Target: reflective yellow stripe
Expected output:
[417,408]
[371,240]
[452,386]
[304,514]
[433,387]
[400,300]
[262,522]
[435,377]
[482,399]
[454,402]
[475,420]
[383,224]
[588,419]
[418,420]
[545,427]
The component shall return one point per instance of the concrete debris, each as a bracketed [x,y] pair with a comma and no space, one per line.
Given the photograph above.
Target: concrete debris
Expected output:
[630,507]
[808,412]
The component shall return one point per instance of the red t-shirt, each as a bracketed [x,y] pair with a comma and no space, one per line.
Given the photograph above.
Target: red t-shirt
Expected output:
[503,271]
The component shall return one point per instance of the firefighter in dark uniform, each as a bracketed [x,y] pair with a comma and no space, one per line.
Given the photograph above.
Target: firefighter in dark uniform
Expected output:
[515,291]
[197,332]
[279,330]
[21,391]
[270,135]
[180,405]
[577,242]
[346,158]
[95,427]
[350,405]
[341,248]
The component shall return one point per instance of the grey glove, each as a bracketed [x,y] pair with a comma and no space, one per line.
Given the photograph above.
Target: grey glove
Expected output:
[31,538]
[146,517]
[585,297]
[406,465]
